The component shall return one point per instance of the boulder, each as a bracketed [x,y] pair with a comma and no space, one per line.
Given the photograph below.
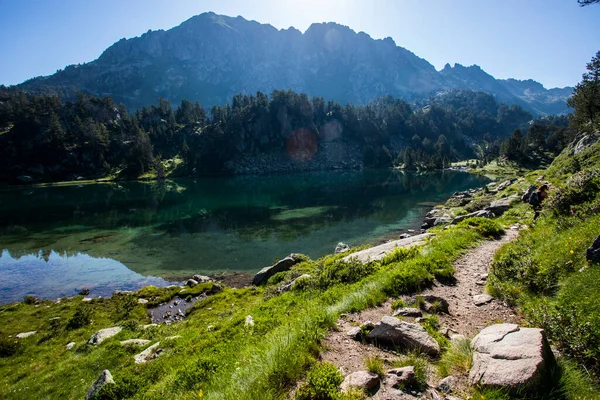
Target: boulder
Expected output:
[284,265]
[499,207]
[482,299]
[191,282]
[24,335]
[70,345]
[408,312]
[476,214]
[505,184]
[444,219]
[402,377]
[142,301]
[216,288]
[104,379]
[392,331]
[149,354]
[104,334]
[202,278]
[118,292]
[428,222]
[341,247]
[135,342]
[361,379]
[585,142]
[592,254]
[512,358]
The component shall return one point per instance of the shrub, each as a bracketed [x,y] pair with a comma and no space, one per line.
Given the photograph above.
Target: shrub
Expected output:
[322,383]
[8,346]
[398,303]
[484,226]
[30,300]
[375,366]
[458,358]
[420,363]
[81,317]
[400,254]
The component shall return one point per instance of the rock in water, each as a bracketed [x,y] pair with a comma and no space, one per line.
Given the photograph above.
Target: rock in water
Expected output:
[513,358]
[592,254]
[392,331]
[104,379]
[284,265]
[341,247]
[104,334]
[361,379]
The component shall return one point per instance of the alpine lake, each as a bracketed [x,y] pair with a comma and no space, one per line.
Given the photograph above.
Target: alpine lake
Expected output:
[57,240]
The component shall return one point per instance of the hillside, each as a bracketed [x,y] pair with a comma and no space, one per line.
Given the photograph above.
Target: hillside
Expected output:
[210,58]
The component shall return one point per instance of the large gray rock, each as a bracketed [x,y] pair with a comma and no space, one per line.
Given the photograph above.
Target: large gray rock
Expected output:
[378,252]
[479,214]
[499,207]
[513,358]
[481,299]
[361,379]
[585,142]
[202,278]
[104,334]
[149,354]
[392,331]
[284,265]
[104,379]
[24,335]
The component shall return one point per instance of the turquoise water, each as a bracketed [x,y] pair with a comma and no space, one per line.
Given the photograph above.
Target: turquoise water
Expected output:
[56,240]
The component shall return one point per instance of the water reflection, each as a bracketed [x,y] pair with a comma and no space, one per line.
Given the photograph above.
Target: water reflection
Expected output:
[49,274]
[181,227]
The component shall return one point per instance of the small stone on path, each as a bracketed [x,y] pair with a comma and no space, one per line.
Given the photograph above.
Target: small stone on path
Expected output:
[482,299]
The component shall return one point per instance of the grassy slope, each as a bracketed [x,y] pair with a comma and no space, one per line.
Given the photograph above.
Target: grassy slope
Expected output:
[233,361]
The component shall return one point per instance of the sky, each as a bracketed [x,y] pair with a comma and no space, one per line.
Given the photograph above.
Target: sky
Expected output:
[546,40]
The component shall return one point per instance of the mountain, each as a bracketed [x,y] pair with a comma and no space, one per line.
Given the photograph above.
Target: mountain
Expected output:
[211,57]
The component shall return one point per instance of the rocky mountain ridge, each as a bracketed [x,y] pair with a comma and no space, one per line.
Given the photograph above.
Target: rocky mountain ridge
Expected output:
[211,57]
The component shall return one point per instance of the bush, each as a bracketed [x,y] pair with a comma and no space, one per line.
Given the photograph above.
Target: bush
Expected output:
[458,359]
[322,383]
[484,226]
[375,366]
[81,317]
[8,346]
[581,187]
[338,271]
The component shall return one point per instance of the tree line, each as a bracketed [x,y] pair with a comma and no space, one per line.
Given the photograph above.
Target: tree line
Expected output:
[45,139]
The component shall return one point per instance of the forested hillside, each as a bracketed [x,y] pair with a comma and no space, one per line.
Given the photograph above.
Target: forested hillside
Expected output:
[45,139]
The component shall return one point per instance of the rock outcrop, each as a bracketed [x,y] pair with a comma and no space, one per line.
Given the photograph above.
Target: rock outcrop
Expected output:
[513,358]
[394,332]
[378,252]
[284,265]
[104,334]
[104,379]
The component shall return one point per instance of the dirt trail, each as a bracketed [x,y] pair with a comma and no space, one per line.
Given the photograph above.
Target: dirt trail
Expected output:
[464,316]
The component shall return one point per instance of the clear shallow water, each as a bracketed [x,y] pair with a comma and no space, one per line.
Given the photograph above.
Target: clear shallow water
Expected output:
[122,235]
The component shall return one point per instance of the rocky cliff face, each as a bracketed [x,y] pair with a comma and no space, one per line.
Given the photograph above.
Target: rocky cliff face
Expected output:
[212,57]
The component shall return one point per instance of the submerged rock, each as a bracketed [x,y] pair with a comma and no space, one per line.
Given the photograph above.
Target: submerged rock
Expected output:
[341,247]
[513,358]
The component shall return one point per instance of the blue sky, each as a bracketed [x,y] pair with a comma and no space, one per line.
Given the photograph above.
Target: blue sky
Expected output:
[546,40]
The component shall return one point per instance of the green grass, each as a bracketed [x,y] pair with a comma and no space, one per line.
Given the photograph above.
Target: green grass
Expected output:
[375,365]
[457,360]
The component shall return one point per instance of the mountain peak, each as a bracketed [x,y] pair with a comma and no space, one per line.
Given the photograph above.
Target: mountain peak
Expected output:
[211,57]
